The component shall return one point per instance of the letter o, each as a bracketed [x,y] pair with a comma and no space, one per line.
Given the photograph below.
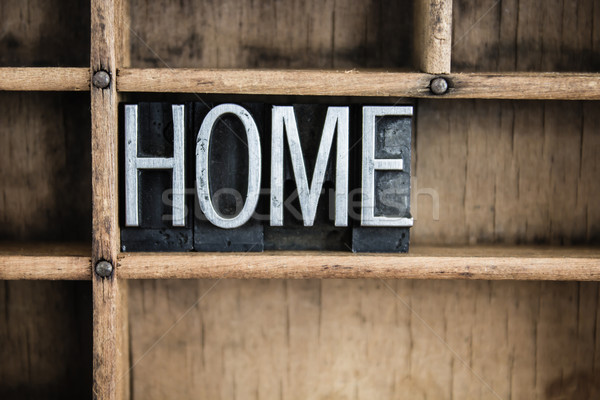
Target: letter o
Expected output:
[254,166]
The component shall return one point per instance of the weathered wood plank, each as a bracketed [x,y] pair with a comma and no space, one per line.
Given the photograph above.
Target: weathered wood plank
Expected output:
[45,261]
[45,79]
[354,83]
[433,35]
[109,295]
[421,263]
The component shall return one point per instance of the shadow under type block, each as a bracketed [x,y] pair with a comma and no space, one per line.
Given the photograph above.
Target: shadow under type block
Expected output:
[245,177]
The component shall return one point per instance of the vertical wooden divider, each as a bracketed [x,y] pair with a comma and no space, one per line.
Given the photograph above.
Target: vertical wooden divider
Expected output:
[433,35]
[109,48]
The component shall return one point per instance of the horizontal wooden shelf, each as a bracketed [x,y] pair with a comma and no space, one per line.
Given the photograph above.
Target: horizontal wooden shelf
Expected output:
[45,261]
[476,262]
[72,262]
[540,86]
[544,86]
[45,79]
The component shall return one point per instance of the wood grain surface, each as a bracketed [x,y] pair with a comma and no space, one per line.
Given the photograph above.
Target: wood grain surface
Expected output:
[45,196]
[109,295]
[44,33]
[45,167]
[544,86]
[344,339]
[512,172]
[519,35]
[45,79]
[422,263]
[270,34]
[433,36]
[45,261]
[45,340]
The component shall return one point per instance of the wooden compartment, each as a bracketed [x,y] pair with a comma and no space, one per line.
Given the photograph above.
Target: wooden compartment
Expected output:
[45,214]
[365,339]
[270,34]
[44,33]
[45,167]
[45,340]
[45,205]
[505,188]
[526,35]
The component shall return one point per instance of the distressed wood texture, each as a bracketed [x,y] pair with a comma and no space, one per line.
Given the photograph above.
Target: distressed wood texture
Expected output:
[364,339]
[356,83]
[272,34]
[109,294]
[527,263]
[47,261]
[45,180]
[44,33]
[45,340]
[526,35]
[45,167]
[45,79]
[433,35]
[511,172]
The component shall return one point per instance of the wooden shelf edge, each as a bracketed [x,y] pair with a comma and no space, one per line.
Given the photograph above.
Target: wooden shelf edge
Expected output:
[45,268]
[45,261]
[44,79]
[424,263]
[525,86]
[473,262]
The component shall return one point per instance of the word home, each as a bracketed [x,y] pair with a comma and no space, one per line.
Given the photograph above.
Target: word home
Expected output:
[251,176]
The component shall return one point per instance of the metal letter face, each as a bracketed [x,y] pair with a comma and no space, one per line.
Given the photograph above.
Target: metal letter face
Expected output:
[135,163]
[154,215]
[202,166]
[284,119]
[371,162]
[385,181]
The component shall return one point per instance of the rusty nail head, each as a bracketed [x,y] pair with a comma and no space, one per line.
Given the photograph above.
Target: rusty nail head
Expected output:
[101,79]
[104,269]
[439,85]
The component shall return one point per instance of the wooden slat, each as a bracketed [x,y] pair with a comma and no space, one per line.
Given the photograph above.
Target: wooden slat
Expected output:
[69,262]
[45,79]
[526,86]
[547,86]
[433,35]
[494,263]
[108,381]
[280,82]
[44,261]
[123,59]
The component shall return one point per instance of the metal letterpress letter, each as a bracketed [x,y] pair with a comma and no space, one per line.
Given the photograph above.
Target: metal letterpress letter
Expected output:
[283,118]
[133,163]
[370,164]
[202,165]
